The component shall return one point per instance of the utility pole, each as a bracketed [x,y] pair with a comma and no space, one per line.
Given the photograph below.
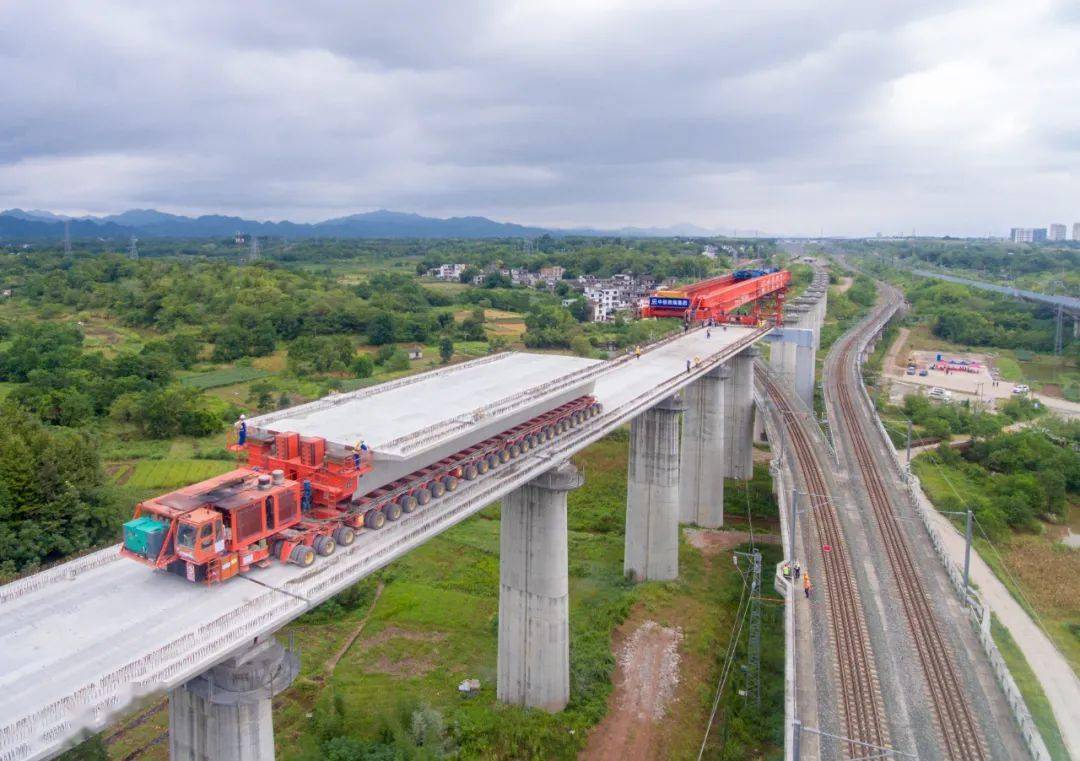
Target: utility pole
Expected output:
[967,555]
[791,527]
[909,442]
[1059,341]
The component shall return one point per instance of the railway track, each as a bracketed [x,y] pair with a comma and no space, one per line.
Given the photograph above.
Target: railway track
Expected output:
[862,712]
[957,729]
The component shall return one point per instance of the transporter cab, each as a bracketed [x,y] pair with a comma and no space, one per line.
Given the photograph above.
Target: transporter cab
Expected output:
[210,531]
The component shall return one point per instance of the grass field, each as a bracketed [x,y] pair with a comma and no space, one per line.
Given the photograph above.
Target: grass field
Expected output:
[434,622]
[172,474]
[226,376]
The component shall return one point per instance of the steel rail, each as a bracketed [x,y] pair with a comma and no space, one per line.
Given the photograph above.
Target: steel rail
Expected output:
[956,725]
[861,704]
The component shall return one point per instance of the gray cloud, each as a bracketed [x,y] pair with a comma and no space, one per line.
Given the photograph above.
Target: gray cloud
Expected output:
[840,115]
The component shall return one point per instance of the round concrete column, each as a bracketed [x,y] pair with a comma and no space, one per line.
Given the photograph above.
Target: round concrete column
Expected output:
[652,494]
[701,485]
[534,603]
[739,415]
[225,714]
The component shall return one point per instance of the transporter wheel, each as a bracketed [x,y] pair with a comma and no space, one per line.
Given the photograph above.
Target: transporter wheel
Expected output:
[437,489]
[302,555]
[423,496]
[492,460]
[275,549]
[549,432]
[324,545]
[482,466]
[450,482]
[515,449]
[526,444]
[504,455]
[375,519]
[344,536]
[392,510]
[408,503]
[469,472]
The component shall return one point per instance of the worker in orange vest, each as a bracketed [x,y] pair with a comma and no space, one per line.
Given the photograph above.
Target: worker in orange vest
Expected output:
[806,585]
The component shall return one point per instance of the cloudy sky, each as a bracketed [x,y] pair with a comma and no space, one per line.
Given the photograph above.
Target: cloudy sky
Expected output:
[842,116]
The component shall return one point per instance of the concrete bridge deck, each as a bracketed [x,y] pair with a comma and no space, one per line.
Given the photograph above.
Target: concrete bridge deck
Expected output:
[81,642]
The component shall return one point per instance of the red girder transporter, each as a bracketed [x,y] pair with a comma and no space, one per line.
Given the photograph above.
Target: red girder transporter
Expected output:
[718,299]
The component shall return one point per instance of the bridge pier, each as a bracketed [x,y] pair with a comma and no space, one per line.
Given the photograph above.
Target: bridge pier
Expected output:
[534,603]
[739,416]
[701,484]
[225,713]
[651,551]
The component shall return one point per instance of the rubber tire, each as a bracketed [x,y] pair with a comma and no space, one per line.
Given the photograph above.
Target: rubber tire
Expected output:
[302,555]
[482,466]
[437,489]
[515,450]
[423,496]
[408,504]
[393,511]
[492,461]
[374,519]
[324,545]
[469,472]
[344,536]
[451,483]
[504,455]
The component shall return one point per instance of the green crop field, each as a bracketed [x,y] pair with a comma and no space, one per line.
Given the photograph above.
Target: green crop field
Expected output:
[172,474]
[226,376]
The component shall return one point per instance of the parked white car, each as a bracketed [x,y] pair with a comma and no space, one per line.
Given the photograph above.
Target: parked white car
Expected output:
[1023,388]
[939,393]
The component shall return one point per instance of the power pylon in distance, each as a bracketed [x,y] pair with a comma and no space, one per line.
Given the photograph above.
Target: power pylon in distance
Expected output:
[67,236]
[133,249]
[753,636]
[253,254]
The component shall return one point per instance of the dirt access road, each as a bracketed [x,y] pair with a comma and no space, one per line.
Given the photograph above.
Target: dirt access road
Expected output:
[647,675]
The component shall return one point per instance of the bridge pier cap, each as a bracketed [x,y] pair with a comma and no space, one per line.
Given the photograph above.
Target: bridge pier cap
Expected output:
[226,713]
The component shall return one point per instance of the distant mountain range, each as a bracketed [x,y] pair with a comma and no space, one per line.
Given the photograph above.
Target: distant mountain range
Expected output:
[20,225]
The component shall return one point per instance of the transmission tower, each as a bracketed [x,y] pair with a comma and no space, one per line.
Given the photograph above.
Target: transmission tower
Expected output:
[67,236]
[753,641]
[253,254]
[133,249]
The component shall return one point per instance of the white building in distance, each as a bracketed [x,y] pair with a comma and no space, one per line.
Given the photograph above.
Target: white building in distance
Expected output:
[1057,232]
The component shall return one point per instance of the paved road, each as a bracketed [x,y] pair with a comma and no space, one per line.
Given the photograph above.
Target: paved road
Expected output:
[1054,673]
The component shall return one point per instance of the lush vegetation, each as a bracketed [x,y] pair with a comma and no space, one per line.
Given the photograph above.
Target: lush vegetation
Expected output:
[54,500]
[1046,267]
[1011,479]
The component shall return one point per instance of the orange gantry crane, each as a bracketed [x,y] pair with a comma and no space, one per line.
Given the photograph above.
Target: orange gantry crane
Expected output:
[744,297]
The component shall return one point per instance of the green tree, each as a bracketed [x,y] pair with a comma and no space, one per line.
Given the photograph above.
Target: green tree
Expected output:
[382,329]
[363,366]
[446,349]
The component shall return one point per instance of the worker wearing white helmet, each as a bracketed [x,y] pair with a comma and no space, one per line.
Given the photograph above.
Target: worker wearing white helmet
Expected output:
[241,427]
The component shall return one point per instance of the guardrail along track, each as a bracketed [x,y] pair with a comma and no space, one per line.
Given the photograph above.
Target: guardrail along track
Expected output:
[958,729]
[860,695]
